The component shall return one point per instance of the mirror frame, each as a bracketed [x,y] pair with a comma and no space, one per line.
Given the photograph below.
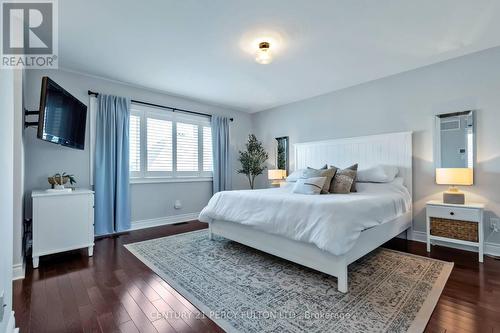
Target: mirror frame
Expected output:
[286,152]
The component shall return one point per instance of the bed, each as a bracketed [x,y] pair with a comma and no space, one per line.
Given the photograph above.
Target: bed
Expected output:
[325,232]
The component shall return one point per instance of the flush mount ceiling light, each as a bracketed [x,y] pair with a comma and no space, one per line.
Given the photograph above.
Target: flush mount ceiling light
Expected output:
[264,55]
[263,45]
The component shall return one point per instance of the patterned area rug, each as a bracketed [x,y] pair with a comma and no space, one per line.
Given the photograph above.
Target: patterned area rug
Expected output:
[245,290]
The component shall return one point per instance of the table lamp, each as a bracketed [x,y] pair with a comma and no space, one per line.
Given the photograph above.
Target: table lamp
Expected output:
[276,176]
[454,177]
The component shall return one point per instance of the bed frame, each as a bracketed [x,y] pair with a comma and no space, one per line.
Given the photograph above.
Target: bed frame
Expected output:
[389,149]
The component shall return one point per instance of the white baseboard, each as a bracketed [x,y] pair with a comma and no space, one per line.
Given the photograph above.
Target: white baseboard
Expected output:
[149,223]
[18,271]
[11,324]
[419,236]
[489,248]
[492,249]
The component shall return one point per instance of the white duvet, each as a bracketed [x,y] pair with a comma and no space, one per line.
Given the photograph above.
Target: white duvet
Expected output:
[333,222]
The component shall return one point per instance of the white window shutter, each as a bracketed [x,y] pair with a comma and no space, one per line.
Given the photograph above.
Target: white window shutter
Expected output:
[187,148]
[159,146]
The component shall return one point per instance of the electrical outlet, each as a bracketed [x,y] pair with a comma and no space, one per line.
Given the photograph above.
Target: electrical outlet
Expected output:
[495,224]
[177,204]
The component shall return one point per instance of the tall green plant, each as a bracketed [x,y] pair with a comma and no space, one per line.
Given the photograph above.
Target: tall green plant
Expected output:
[252,159]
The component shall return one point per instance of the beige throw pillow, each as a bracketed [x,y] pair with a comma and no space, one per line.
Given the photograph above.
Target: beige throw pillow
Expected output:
[341,179]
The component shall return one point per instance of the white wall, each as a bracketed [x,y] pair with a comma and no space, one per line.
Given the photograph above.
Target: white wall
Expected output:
[148,201]
[406,102]
[6,195]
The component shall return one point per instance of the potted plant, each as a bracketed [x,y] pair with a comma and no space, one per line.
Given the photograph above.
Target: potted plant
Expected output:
[252,159]
[58,180]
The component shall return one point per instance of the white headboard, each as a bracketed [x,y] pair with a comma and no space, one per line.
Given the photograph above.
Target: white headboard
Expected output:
[388,149]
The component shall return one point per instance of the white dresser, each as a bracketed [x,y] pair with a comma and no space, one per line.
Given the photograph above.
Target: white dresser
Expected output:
[62,221]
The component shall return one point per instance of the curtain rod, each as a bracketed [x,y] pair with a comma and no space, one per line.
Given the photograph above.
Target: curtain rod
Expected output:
[162,106]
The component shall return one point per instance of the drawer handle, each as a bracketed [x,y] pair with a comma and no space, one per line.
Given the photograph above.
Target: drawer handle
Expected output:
[452,213]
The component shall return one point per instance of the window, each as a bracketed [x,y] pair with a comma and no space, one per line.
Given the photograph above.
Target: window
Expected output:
[159,145]
[166,145]
[187,147]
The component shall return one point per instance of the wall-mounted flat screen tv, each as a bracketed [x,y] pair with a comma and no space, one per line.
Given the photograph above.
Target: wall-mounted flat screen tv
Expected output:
[62,118]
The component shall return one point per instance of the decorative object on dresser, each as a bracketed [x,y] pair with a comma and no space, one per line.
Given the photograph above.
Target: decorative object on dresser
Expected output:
[458,224]
[276,176]
[62,221]
[58,181]
[454,140]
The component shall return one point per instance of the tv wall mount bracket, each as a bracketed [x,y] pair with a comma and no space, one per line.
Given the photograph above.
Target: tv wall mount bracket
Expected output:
[30,113]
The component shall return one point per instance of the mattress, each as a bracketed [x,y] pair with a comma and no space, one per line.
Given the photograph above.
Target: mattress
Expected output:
[332,222]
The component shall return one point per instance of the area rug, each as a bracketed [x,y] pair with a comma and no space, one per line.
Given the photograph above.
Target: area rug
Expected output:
[245,290]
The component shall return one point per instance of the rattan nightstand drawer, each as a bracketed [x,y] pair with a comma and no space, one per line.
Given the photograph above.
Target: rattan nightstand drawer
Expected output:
[456,229]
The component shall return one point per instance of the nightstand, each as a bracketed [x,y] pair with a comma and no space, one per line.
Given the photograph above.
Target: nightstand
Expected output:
[458,224]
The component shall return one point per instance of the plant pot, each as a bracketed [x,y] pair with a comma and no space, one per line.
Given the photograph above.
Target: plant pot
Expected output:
[57,180]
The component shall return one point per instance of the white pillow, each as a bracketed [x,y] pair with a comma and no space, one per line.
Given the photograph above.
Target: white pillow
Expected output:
[309,185]
[377,174]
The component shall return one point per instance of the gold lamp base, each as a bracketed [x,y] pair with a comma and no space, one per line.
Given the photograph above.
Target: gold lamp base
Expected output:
[454,196]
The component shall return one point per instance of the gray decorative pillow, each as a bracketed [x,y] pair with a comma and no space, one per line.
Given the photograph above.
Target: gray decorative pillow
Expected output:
[304,173]
[341,172]
[343,181]
[327,173]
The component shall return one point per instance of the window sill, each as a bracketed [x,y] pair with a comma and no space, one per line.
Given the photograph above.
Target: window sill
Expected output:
[153,180]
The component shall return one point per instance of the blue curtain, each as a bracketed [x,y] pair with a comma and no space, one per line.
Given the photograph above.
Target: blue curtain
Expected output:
[222,165]
[112,208]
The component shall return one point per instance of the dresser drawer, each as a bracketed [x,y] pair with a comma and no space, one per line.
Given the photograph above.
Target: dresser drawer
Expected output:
[454,213]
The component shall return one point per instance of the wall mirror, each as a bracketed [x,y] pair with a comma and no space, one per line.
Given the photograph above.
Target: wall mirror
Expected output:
[454,140]
[282,149]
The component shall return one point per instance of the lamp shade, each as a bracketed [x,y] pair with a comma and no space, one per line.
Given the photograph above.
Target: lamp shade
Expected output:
[274,174]
[454,176]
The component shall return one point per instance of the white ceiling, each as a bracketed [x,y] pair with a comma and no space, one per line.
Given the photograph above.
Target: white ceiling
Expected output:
[199,49]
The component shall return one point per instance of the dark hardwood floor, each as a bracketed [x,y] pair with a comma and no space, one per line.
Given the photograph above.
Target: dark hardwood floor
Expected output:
[115,292]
